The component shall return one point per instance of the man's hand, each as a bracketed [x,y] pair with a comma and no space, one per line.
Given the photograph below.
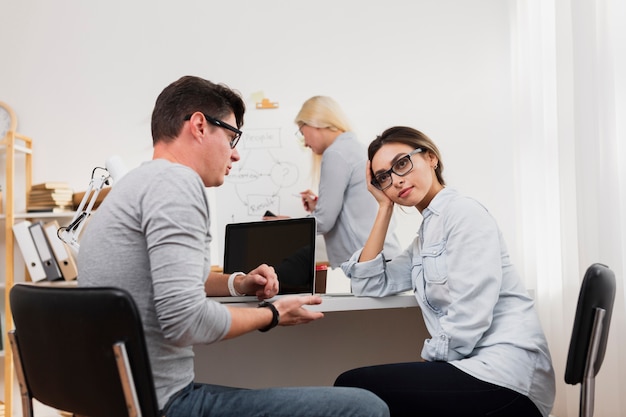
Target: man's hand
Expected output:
[261,281]
[292,311]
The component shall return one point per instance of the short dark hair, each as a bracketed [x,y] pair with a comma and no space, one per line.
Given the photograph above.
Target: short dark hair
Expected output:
[188,95]
[411,137]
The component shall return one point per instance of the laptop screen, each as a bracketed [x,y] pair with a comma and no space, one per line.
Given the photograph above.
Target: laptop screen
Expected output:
[286,244]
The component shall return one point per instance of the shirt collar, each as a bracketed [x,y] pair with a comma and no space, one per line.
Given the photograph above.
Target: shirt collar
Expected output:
[441,199]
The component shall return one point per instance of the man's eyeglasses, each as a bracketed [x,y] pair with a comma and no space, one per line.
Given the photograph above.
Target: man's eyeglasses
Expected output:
[401,167]
[216,122]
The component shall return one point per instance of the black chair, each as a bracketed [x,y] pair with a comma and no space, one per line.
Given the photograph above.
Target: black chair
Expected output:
[590,333]
[82,351]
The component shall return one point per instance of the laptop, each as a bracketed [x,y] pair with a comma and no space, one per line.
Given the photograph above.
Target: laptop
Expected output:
[286,244]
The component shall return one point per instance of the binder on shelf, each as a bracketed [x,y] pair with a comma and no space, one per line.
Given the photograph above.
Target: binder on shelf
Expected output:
[53,272]
[61,251]
[29,251]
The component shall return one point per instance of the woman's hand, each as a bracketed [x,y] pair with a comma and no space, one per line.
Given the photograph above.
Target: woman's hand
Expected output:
[379,195]
[309,200]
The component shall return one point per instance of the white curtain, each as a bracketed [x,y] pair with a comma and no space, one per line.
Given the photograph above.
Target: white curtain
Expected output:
[569,76]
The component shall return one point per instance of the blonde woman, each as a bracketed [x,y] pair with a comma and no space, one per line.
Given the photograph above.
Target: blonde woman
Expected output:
[343,207]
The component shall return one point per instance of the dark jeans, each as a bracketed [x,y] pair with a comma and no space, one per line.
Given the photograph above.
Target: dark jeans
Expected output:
[204,400]
[437,389]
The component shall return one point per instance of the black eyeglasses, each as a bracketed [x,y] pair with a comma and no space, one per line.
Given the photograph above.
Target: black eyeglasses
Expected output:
[401,167]
[224,125]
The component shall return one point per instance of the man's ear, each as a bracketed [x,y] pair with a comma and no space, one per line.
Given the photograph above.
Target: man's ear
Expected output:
[197,126]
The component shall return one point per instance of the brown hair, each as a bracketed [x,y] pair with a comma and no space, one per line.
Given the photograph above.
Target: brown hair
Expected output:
[411,137]
[190,94]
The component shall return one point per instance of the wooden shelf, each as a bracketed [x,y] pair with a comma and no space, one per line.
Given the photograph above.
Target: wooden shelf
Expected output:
[13,143]
[41,215]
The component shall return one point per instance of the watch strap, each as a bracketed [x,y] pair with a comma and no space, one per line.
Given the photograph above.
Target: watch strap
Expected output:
[275,315]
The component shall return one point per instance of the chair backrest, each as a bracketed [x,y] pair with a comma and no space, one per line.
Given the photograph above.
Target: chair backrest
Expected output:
[65,339]
[597,291]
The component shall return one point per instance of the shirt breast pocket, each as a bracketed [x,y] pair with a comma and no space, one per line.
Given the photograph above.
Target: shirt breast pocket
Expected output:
[436,291]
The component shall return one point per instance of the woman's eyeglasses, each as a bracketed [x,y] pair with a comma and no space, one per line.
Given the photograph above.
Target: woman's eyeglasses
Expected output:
[401,167]
[299,135]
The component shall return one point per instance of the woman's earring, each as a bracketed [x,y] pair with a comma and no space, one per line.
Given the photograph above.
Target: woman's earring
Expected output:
[436,166]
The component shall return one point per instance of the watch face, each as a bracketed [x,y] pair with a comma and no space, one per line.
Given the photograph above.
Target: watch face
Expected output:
[6,120]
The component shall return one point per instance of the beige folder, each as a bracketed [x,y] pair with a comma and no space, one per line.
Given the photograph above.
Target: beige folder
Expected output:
[61,251]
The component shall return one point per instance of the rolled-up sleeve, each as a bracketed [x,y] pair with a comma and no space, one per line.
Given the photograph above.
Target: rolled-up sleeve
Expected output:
[379,277]
[176,232]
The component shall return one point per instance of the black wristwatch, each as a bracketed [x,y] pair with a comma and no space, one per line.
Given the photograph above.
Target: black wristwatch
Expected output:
[275,316]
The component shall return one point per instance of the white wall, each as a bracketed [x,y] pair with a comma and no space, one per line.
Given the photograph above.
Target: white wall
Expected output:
[83,76]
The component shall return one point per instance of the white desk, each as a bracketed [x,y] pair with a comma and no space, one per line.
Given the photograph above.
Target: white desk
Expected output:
[333,303]
[356,331]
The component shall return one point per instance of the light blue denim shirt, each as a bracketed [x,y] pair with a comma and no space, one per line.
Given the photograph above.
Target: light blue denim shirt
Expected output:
[475,306]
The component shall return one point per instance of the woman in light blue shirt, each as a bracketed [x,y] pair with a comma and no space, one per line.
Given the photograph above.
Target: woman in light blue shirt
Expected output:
[487,354]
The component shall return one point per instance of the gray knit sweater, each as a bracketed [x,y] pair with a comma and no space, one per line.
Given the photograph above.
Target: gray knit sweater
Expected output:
[151,237]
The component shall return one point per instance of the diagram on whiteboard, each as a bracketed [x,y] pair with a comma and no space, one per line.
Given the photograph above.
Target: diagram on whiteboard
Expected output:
[274,168]
[268,177]
[262,164]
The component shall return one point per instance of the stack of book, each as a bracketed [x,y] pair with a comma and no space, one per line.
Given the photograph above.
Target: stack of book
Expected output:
[50,197]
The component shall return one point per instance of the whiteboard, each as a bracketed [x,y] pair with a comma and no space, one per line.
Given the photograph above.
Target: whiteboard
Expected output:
[274,168]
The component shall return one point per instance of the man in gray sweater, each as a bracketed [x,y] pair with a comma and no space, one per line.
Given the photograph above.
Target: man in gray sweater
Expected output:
[151,237]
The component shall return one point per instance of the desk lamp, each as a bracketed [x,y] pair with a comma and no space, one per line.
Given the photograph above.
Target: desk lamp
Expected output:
[114,170]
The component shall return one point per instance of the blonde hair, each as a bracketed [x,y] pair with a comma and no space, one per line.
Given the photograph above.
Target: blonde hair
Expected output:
[323,112]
